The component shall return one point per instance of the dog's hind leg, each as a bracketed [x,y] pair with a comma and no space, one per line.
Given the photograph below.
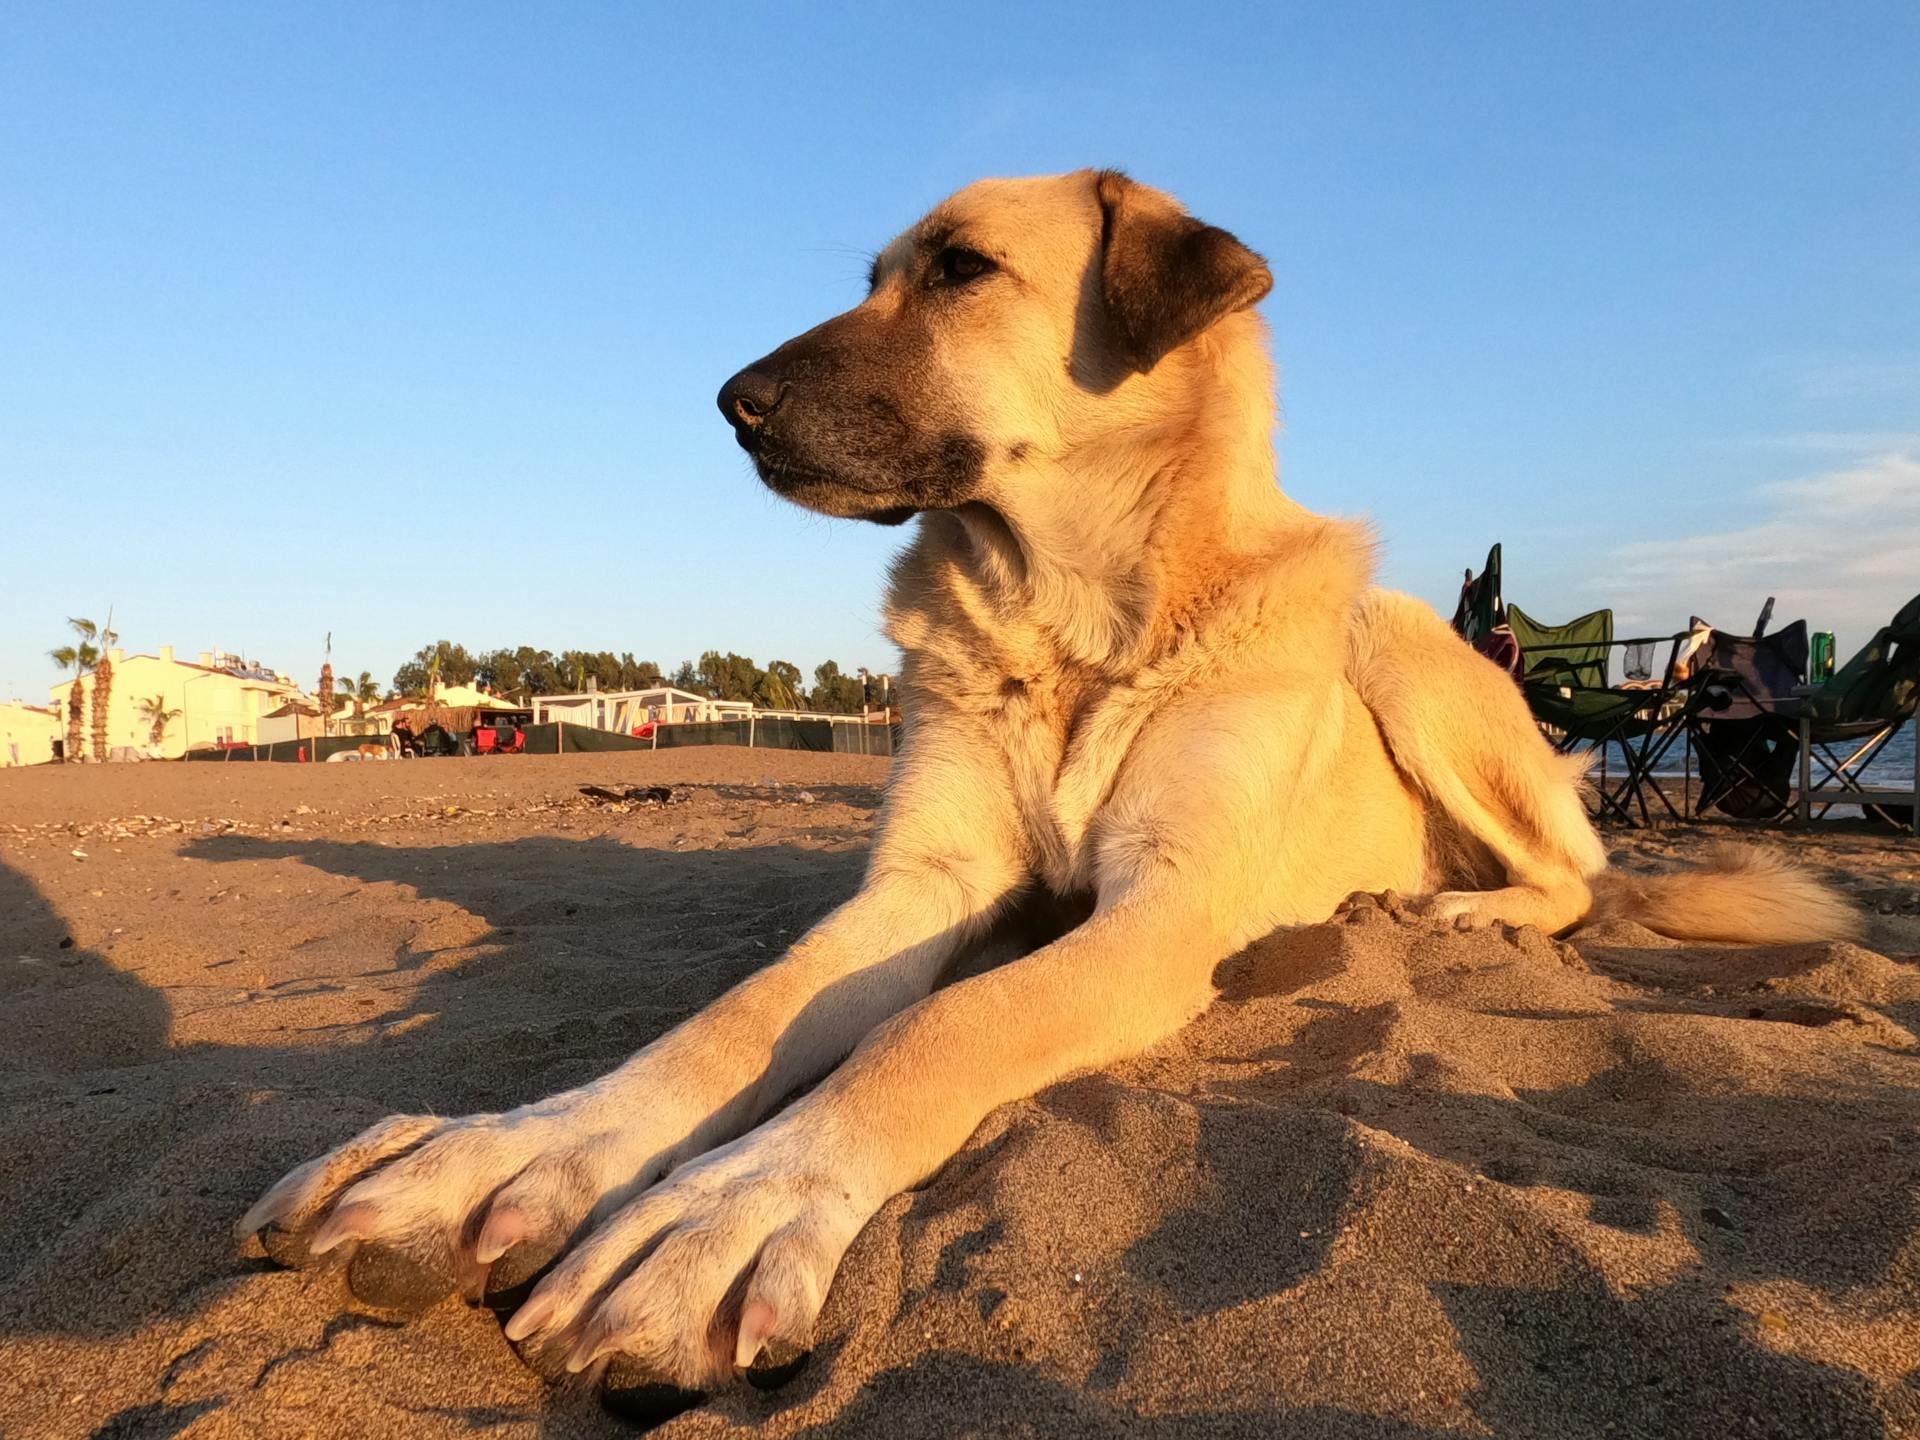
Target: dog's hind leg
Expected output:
[1460,731]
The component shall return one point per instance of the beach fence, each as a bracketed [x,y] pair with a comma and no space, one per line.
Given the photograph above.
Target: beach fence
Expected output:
[823,734]
[663,717]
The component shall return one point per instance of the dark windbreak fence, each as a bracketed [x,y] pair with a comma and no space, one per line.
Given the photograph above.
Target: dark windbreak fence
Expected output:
[557,737]
[776,733]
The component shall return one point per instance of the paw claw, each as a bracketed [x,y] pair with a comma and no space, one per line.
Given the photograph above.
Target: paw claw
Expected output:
[758,1321]
[530,1317]
[505,1228]
[353,1221]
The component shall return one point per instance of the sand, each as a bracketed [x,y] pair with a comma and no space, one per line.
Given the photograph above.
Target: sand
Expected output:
[1396,1183]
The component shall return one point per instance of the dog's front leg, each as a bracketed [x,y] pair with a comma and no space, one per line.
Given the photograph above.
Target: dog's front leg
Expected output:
[482,1203]
[739,1247]
[1193,856]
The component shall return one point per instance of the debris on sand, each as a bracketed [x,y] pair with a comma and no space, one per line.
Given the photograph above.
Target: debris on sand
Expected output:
[629,795]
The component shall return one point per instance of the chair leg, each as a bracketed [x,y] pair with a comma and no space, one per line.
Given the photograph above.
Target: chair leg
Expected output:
[1654,745]
[1806,770]
[1845,772]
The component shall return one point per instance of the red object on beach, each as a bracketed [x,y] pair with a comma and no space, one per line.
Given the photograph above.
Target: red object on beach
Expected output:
[303,754]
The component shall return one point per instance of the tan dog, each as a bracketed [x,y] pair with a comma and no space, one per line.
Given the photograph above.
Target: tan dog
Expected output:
[1144,686]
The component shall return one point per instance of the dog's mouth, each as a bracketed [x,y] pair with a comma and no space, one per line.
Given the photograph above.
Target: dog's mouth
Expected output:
[826,493]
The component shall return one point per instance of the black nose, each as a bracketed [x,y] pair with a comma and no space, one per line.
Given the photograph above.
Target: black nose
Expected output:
[749,398]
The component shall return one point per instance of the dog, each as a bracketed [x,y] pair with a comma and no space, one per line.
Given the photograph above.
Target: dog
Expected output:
[1151,700]
[369,751]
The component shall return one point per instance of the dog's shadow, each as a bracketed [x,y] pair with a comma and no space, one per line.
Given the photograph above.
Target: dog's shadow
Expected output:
[585,950]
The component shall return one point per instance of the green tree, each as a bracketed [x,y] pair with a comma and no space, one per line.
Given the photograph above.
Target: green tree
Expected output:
[523,672]
[638,674]
[686,677]
[539,673]
[780,687]
[834,693]
[729,676]
[443,660]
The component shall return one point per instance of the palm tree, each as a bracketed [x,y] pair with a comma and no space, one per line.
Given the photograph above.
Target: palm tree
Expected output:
[366,691]
[102,695]
[102,683]
[155,712]
[76,711]
[82,657]
[326,696]
[88,656]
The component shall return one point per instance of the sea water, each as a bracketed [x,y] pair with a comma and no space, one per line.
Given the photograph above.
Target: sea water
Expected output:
[1892,767]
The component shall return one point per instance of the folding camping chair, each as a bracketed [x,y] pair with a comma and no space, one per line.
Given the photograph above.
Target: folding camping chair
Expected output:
[1565,674]
[1862,706]
[1480,618]
[1745,695]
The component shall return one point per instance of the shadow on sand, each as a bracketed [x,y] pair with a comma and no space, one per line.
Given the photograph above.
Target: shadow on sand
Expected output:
[120,1168]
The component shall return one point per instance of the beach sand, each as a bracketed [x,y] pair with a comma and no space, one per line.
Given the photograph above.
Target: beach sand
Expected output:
[1396,1183]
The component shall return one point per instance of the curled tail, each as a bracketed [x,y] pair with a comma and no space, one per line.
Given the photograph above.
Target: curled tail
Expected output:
[1738,894]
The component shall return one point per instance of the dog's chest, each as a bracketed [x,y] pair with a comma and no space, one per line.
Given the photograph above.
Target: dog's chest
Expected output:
[1058,732]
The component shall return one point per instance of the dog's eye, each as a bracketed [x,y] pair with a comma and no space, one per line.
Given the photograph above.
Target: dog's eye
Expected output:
[956,266]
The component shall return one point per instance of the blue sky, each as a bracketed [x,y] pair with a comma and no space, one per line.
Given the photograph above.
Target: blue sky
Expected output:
[404,321]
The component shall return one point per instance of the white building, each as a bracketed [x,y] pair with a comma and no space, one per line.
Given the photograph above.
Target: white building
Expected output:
[626,711]
[27,733]
[162,707]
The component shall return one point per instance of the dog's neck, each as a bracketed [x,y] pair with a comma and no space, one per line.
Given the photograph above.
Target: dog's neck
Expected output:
[1096,548]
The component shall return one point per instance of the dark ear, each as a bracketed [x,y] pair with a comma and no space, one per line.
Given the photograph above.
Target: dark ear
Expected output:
[1165,275]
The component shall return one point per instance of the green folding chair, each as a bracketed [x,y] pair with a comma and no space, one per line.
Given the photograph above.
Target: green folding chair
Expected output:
[1848,719]
[1628,728]
[1573,655]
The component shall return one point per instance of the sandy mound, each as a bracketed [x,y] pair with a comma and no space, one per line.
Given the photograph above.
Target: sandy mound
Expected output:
[1396,1183]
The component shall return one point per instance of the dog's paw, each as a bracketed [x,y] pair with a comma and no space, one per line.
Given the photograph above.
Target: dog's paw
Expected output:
[1375,907]
[1463,909]
[421,1207]
[721,1269]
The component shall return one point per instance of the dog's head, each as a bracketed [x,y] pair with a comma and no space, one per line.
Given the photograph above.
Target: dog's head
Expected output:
[1019,322]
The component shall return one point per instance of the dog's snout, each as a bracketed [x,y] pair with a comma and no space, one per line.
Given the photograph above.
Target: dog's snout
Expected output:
[749,398]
